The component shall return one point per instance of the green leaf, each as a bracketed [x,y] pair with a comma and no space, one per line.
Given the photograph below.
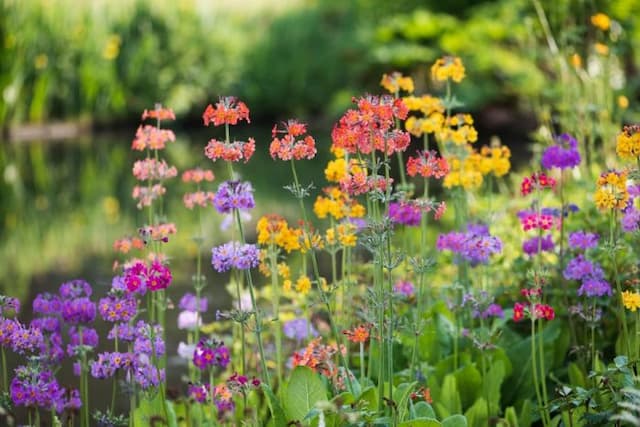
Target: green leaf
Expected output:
[576,377]
[455,421]
[469,385]
[493,382]
[424,410]
[401,397]
[370,397]
[477,415]
[304,390]
[449,397]
[525,414]
[421,422]
[277,413]
[511,416]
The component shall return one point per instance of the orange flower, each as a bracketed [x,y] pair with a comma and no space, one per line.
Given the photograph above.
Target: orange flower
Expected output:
[358,334]
[227,111]
[159,113]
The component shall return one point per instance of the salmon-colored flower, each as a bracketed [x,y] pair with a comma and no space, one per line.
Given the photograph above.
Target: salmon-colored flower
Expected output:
[288,147]
[228,110]
[159,113]
[150,137]
[358,334]
[230,151]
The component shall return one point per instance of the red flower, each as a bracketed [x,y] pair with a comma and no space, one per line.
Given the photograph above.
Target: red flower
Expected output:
[518,311]
[288,147]
[427,164]
[538,180]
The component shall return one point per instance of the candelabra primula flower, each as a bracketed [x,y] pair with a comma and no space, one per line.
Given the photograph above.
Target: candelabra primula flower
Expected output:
[152,138]
[427,164]
[228,110]
[583,240]
[197,175]
[631,300]
[611,191]
[235,255]
[210,352]
[536,244]
[234,195]
[395,82]
[159,113]
[448,67]
[289,146]
[153,170]
[536,182]
[232,151]
[495,160]
[628,143]
[359,334]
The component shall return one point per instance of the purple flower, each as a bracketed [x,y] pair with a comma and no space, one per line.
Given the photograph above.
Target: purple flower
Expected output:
[494,310]
[122,332]
[158,276]
[117,307]
[75,289]
[544,244]
[405,213]
[34,387]
[579,268]
[299,329]
[475,248]
[234,195]
[405,288]
[46,324]
[234,255]
[630,220]
[85,337]
[145,374]
[210,352]
[190,302]
[198,392]
[583,240]
[594,287]
[563,154]
[78,310]
[186,350]
[148,339]
[47,304]
[26,339]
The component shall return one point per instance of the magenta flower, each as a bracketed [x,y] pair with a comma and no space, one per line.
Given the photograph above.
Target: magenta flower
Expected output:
[535,244]
[210,352]
[405,213]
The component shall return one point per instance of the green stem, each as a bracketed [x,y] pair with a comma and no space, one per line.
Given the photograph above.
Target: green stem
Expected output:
[242,340]
[614,259]
[316,272]
[534,371]
[543,373]
[256,312]
[361,363]
[275,288]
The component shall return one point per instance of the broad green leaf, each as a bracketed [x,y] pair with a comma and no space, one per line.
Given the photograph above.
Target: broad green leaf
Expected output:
[449,396]
[401,397]
[277,413]
[455,421]
[469,384]
[421,422]
[493,382]
[525,414]
[304,390]
[576,377]
[477,415]
[511,416]
[370,396]
[424,410]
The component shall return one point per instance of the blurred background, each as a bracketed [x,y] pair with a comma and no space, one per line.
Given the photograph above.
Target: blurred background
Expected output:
[76,75]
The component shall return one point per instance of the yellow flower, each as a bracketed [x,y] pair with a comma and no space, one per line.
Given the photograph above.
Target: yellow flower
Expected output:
[112,47]
[602,21]
[446,68]
[330,236]
[346,235]
[286,285]
[601,48]
[628,143]
[396,81]
[623,102]
[284,271]
[41,61]
[303,285]
[495,159]
[576,61]
[611,192]
[631,300]
[336,170]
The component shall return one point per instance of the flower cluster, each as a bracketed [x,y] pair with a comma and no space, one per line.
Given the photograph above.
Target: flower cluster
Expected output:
[234,195]
[370,127]
[404,288]
[536,182]
[458,130]
[628,143]
[591,276]
[611,191]
[151,169]
[563,154]
[532,220]
[583,240]
[228,111]
[274,230]
[288,147]
[427,164]
[359,334]
[210,352]
[140,277]
[231,151]
[337,204]
[299,329]
[118,306]
[151,138]
[395,82]
[159,113]
[475,245]
[449,67]
[537,244]
[495,160]
[482,305]
[235,255]
[37,387]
